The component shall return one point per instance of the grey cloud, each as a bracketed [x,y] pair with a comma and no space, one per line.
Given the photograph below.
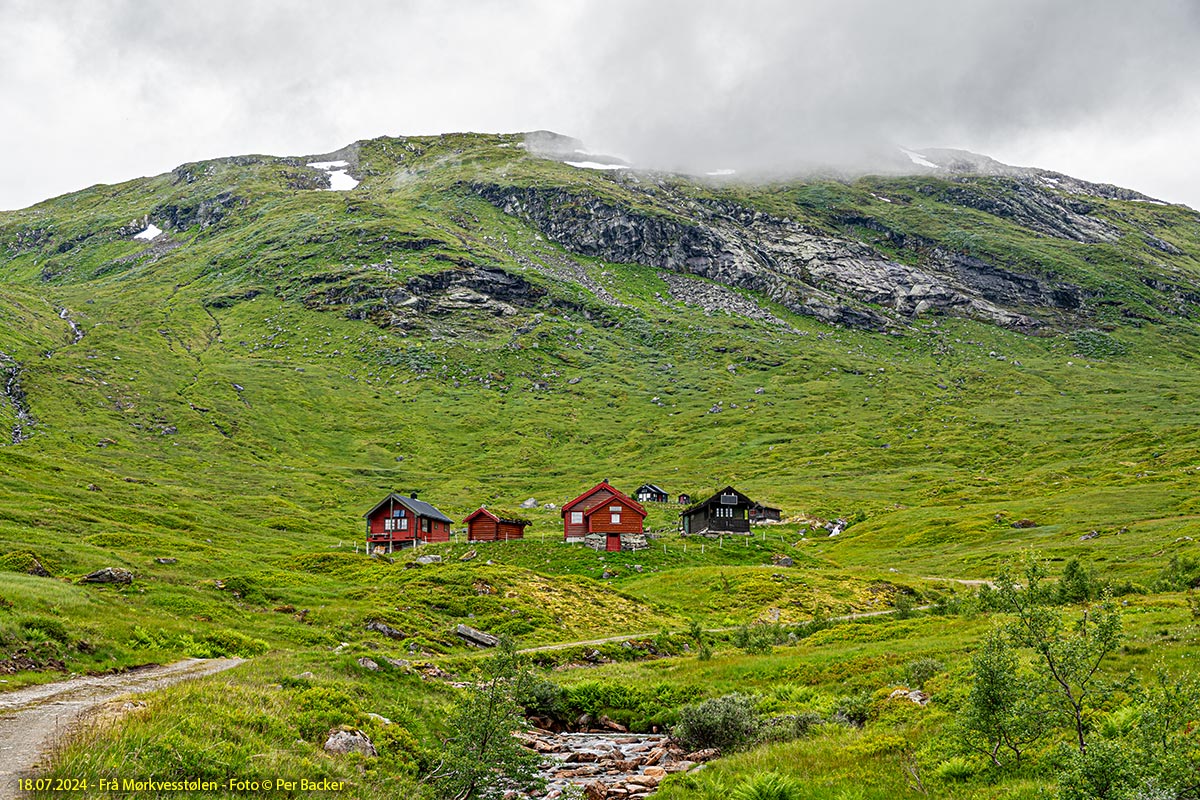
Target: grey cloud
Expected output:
[106,90]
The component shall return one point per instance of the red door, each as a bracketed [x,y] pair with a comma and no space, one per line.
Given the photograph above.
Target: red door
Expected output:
[613,544]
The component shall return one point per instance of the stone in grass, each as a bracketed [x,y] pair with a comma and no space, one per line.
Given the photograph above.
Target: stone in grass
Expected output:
[476,637]
[166,560]
[530,503]
[467,556]
[430,559]
[1024,523]
[368,664]
[387,630]
[341,742]
[110,575]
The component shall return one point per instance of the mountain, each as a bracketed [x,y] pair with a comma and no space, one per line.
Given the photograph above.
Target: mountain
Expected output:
[230,363]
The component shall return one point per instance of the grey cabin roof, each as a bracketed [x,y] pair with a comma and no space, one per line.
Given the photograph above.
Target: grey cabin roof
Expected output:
[417,507]
[651,487]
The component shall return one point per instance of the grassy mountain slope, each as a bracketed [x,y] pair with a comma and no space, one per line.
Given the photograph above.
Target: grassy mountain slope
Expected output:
[466,323]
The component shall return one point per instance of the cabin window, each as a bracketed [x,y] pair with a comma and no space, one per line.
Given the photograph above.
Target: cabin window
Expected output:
[614,508]
[425,525]
[576,517]
[724,513]
[387,524]
[729,499]
[403,525]
[397,512]
[616,518]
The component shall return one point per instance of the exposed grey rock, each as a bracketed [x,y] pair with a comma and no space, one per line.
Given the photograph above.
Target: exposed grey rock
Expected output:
[342,742]
[305,676]
[387,630]
[467,556]
[110,575]
[36,568]
[431,558]
[368,664]
[530,503]
[475,637]
[811,273]
[166,560]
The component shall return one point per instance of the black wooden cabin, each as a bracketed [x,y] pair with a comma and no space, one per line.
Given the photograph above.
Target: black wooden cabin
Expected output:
[727,511]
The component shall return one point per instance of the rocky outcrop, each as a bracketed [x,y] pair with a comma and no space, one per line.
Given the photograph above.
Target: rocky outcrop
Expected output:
[1029,205]
[475,637]
[115,575]
[368,294]
[836,280]
[341,742]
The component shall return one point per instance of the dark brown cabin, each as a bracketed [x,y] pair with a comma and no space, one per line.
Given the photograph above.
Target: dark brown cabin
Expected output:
[397,522]
[494,526]
[760,513]
[602,509]
[649,493]
[727,511]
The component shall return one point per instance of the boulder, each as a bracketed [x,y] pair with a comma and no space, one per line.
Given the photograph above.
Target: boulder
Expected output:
[385,629]
[166,561]
[700,756]
[783,561]
[1024,523]
[368,664]
[530,503]
[475,637]
[467,556]
[35,568]
[110,575]
[341,742]
[428,559]
[595,791]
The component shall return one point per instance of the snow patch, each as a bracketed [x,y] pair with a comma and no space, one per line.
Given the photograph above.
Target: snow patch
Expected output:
[877,197]
[151,231]
[721,172]
[595,165]
[918,159]
[339,179]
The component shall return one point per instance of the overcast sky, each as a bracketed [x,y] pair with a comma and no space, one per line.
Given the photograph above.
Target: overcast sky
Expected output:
[100,91]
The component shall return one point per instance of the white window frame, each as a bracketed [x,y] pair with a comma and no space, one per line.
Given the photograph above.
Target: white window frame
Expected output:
[616,518]
[403,524]
[576,517]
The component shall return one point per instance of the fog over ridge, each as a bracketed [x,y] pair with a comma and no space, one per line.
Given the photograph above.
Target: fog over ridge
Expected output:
[106,90]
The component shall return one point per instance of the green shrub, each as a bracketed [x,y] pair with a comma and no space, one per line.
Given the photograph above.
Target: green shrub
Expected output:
[767,786]
[50,628]
[787,727]
[853,710]
[955,770]
[725,723]
[917,672]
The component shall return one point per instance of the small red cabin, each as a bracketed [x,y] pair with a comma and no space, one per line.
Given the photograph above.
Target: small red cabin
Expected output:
[397,522]
[602,509]
[497,526]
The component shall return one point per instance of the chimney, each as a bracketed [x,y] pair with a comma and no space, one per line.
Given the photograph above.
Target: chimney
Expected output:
[413,494]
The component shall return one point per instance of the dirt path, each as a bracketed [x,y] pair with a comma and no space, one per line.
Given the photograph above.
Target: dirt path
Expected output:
[31,719]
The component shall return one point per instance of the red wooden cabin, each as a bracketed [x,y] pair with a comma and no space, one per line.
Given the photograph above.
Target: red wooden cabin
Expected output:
[500,526]
[397,522]
[602,509]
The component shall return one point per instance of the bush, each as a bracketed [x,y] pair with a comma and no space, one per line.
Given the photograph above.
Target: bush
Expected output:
[790,726]
[541,697]
[50,628]
[955,769]
[917,672]
[767,786]
[1076,584]
[853,710]
[725,723]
